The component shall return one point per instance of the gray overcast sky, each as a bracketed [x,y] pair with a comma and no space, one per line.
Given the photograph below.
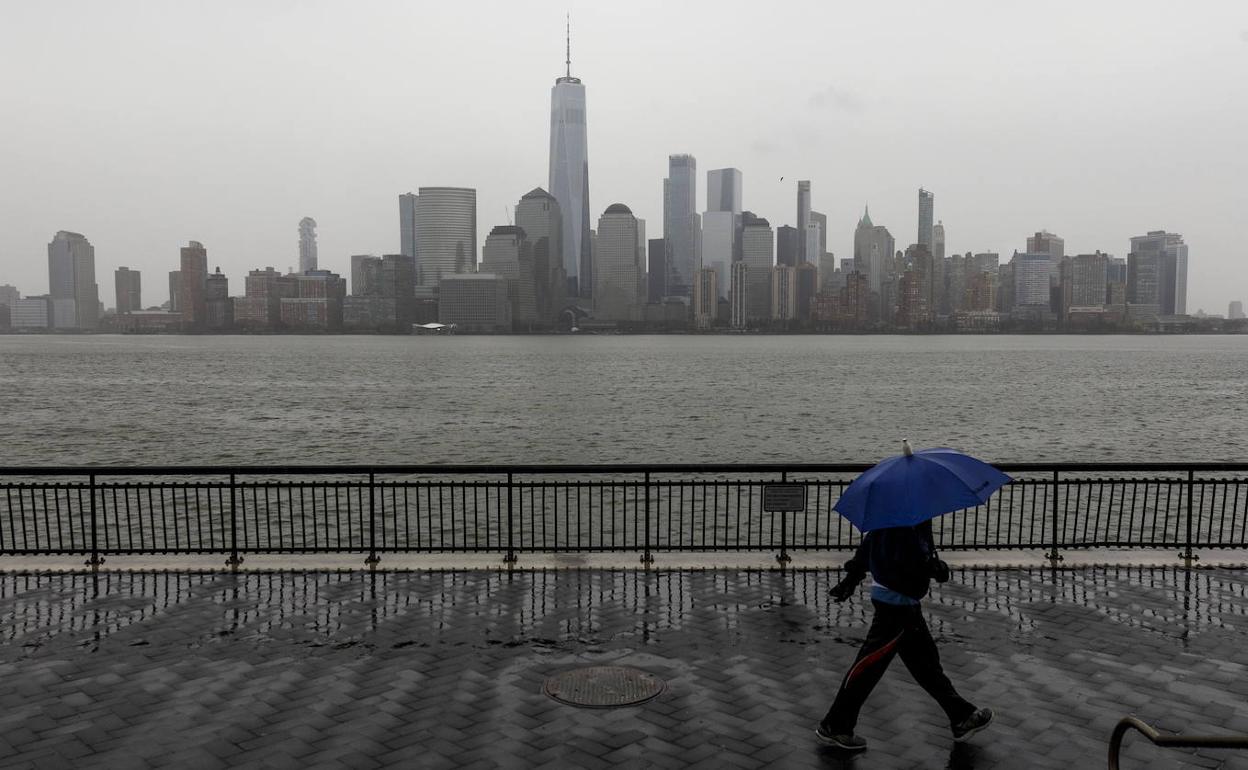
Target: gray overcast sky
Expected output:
[147,124]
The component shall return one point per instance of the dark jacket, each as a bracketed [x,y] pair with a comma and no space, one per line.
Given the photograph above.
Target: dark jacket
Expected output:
[901,558]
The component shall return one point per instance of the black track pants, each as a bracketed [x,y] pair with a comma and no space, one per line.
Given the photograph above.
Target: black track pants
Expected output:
[895,630]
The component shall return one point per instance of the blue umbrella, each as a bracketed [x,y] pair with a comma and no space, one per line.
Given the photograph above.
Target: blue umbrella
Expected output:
[916,486]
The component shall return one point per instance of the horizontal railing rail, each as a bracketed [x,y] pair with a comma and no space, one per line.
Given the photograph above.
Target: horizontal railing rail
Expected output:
[515,509]
[1127,724]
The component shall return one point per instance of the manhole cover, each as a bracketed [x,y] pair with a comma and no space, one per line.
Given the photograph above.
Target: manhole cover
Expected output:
[603,687]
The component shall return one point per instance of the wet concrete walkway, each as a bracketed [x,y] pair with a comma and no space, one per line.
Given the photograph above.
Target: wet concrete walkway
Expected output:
[445,669]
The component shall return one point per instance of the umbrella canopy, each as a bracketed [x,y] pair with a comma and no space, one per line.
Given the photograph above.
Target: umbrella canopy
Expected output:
[916,486]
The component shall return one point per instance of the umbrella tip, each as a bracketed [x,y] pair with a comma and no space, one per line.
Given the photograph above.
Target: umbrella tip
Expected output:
[906,448]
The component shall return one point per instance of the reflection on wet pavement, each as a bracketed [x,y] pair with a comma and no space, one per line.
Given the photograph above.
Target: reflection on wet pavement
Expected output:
[298,668]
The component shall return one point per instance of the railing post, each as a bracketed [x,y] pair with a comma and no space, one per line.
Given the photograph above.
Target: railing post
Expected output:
[783,557]
[1187,555]
[647,558]
[94,561]
[510,558]
[372,559]
[234,559]
[1053,556]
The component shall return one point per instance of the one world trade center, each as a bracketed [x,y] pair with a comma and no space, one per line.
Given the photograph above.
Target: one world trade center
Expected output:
[569,176]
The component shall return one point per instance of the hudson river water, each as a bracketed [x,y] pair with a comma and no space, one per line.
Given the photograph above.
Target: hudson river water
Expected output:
[347,399]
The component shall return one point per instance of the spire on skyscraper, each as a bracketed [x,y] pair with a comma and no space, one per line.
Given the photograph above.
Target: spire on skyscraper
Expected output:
[568,60]
[866,217]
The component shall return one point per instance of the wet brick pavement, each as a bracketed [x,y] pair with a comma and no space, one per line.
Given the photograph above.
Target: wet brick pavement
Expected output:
[445,669]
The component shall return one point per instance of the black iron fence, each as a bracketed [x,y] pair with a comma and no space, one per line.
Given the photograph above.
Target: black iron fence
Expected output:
[96,511]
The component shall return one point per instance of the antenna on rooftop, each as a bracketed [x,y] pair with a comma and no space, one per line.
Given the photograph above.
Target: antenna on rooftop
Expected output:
[568,61]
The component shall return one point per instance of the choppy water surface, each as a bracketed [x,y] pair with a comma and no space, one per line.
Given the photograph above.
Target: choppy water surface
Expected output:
[128,400]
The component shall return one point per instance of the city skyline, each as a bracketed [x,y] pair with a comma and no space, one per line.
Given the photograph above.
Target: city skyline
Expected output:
[985,212]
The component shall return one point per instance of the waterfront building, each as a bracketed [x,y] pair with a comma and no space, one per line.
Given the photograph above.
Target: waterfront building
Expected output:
[855,301]
[656,270]
[1116,270]
[1032,294]
[446,233]
[307,244]
[317,302]
[812,240]
[619,275]
[927,207]
[1045,242]
[1235,310]
[981,293]
[175,291]
[194,276]
[507,254]
[31,313]
[911,305]
[737,296]
[807,279]
[365,274]
[1144,281]
[682,227]
[9,294]
[475,302]
[723,190]
[803,219]
[384,299]
[787,246]
[758,252]
[783,293]
[261,306]
[939,298]
[827,270]
[407,225]
[569,176]
[539,216]
[706,298]
[128,285]
[218,307]
[918,258]
[1083,282]
[1171,257]
[71,281]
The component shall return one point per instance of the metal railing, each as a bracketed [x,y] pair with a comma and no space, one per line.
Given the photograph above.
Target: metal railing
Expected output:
[1169,741]
[511,510]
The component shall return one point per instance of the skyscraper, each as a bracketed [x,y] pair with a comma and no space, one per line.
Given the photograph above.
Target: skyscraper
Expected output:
[175,291]
[656,270]
[1235,310]
[787,243]
[193,281]
[446,233]
[539,216]
[873,249]
[508,254]
[721,224]
[407,225]
[307,244]
[71,281]
[1045,242]
[682,227]
[1171,255]
[128,286]
[723,190]
[803,218]
[820,219]
[618,273]
[758,254]
[569,174]
[927,205]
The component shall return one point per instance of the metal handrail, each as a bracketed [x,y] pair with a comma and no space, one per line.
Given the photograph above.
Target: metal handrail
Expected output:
[1169,741]
[526,469]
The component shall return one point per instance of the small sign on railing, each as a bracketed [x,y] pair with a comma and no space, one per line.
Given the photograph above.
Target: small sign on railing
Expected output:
[784,498]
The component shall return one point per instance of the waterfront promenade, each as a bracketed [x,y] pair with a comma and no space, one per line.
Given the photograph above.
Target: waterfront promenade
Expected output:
[445,669]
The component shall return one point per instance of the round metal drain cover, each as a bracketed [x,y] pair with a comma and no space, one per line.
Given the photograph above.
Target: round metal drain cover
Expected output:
[603,687]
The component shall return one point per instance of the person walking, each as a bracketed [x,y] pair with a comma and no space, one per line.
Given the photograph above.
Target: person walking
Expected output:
[902,562]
